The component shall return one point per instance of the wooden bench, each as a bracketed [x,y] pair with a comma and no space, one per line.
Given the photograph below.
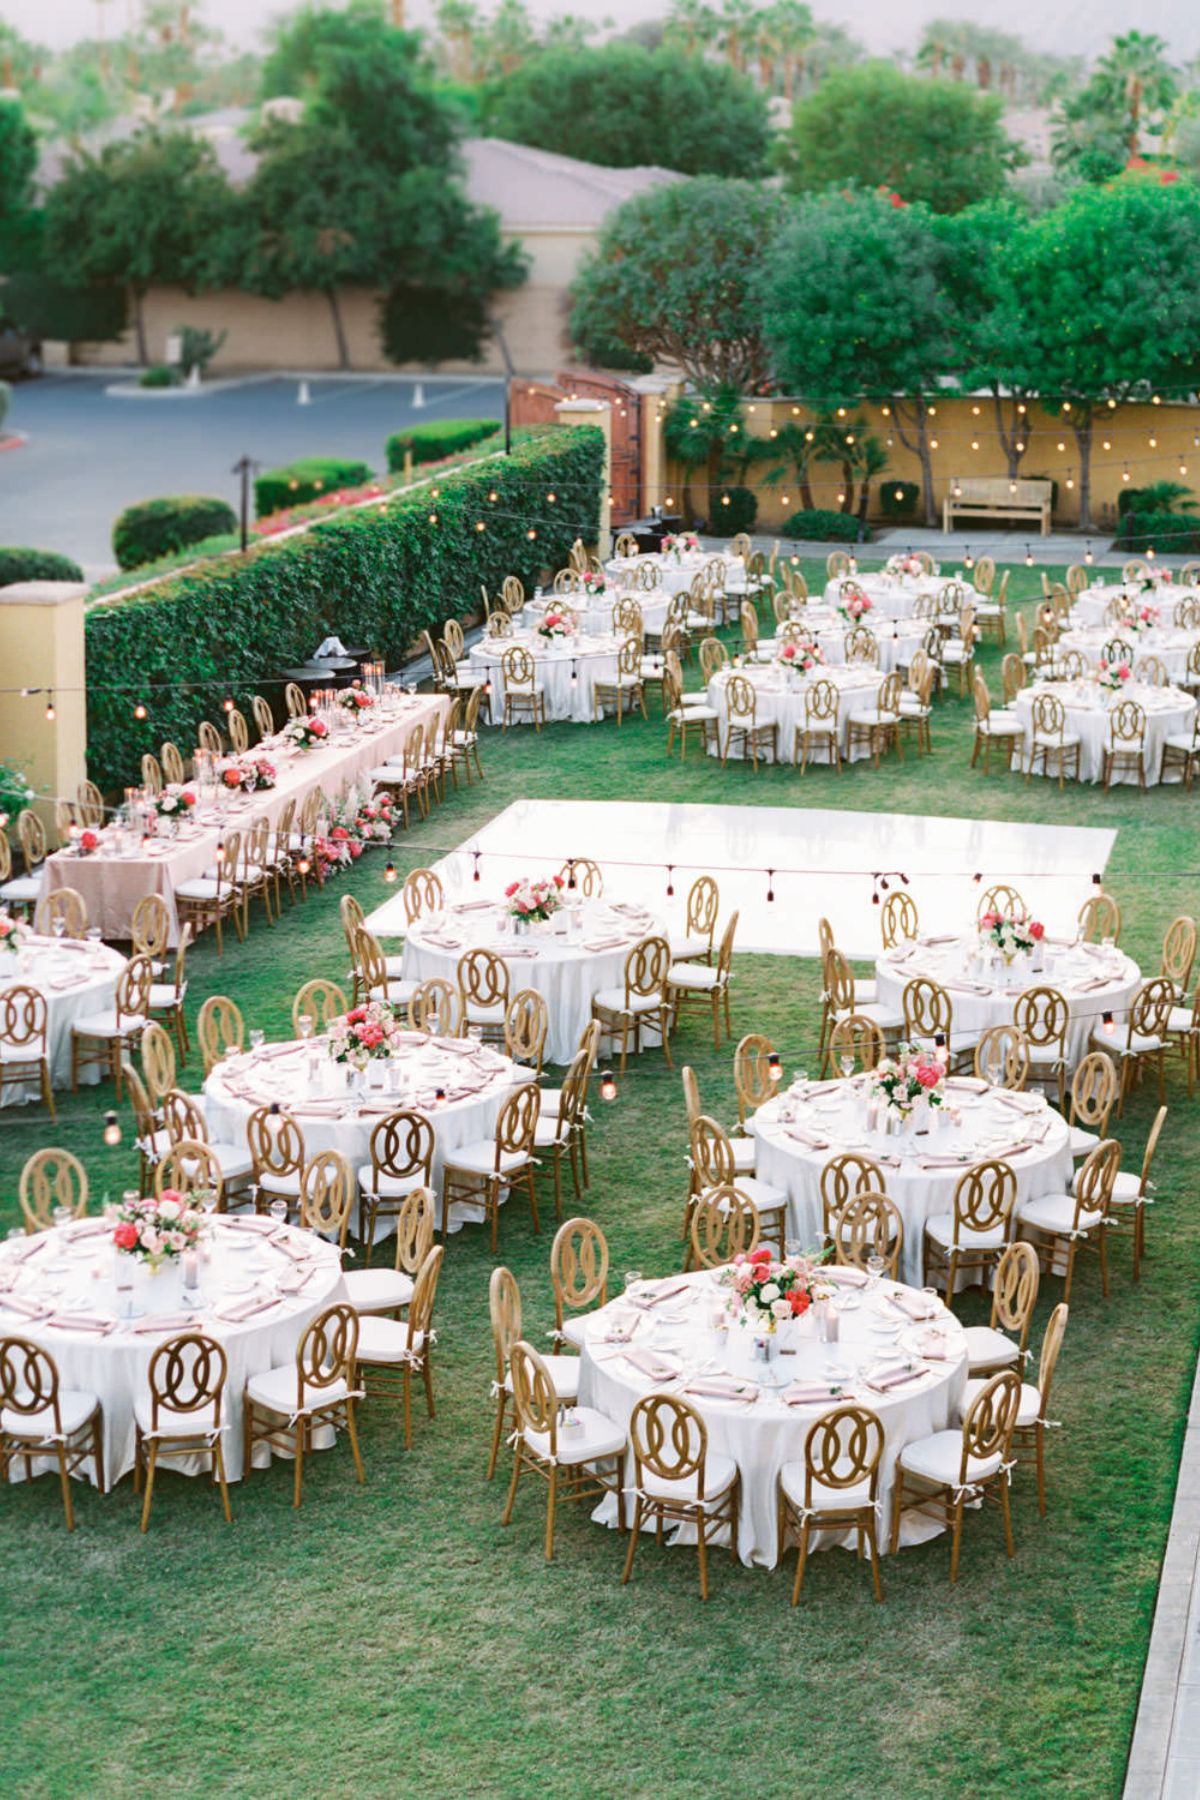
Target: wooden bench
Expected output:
[974,496]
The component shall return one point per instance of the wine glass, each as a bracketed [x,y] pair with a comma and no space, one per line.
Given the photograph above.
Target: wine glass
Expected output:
[257,1039]
[633,1280]
[876,1265]
[846,1064]
[58,926]
[304,1028]
[279,1211]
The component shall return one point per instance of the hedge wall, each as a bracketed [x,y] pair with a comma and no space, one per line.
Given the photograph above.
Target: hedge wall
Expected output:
[154,528]
[297,483]
[377,577]
[439,439]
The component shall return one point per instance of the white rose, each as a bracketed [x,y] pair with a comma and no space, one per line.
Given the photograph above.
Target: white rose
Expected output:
[769,1293]
[168,1210]
[782,1309]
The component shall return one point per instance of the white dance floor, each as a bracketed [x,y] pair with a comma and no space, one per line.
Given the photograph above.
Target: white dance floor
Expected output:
[824,863]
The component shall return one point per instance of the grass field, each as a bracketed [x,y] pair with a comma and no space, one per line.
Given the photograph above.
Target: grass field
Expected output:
[393,1639]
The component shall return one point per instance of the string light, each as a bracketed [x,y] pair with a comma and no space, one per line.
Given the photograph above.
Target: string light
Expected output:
[112,1129]
[670,881]
[1028,557]
[139,711]
[1087,555]
[389,874]
[770,885]
[608,1085]
[50,712]
[774,1065]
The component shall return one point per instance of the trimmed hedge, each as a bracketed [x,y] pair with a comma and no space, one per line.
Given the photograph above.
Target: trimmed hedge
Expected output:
[296,483]
[36,565]
[819,524]
[1170,534]
[434,442]
[734,509]
[155,528]
[377,577]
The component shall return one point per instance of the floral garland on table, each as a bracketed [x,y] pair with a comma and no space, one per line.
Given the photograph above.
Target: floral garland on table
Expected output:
[554,625]
[534,899]
[765,1293]
[247,775]
[355,826]
[679,544]
[899,1081]
[156,1230]
[908,565]
[805,655]
[1113,676]
[175,801]
[14,933]
[355,700]
[364,1034]
[305,734]
[855,607]
[1013,934]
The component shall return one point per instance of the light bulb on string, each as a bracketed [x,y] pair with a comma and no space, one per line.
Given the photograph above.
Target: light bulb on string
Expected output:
[1087,555]
[139,711]
[608,1085]
[1028,557]
[389,874]
[112,1129]
[670,881]
[51,715]
[770,885]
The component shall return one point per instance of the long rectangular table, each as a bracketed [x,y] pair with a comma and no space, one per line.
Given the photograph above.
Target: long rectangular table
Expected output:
[112,885]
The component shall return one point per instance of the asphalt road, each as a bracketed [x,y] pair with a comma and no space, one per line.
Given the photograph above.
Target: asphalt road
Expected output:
[89,454]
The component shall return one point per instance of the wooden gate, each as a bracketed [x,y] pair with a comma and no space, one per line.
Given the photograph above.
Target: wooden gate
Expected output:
[533,403]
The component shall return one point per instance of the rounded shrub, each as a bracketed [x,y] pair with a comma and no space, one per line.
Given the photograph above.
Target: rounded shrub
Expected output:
[300,483]
[158,375]
[437,440]
[898,499]
[734,509]
[36,565]
[820,525]
[155,528]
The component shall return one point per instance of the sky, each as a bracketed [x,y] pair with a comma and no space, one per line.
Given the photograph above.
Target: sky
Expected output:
[1071,27]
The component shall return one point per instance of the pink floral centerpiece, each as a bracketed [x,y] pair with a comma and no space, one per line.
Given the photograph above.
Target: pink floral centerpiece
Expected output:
[765,1293]
[247,774]
[364,1033]
[908,566]
[355,700]
[13,933]
[592,582]
[1012,934]
[305,734]
[678,544]
[534,900]
[1144,619]
[175,801]
[555,624]
[899,1081]
[156,1230]
[804,655]
[1113,676]
[854,606]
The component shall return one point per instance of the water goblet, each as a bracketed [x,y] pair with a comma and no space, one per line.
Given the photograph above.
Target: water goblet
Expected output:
[279,1211]
[305,1026]
[875,1267]
[58,926]
[257,1039]
[846,1064]
[94,935]
[633,1280]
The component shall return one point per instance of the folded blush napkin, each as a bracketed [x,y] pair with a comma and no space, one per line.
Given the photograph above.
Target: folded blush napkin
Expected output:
[720,1387]
[845,1276]
[246,1309]
[914,1306]
[653,1364]
[893,1378]
[263,1227]
[94,1322]
[655,1293]
[298,1252]
[165,1322]
[26,1309]
[86,1228]
[812,1393]
[809,1139]
[934,1345]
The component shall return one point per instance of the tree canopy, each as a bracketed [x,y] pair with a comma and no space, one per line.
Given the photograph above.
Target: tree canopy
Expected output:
[1130,90]
[18,160]
[937,142]
[673,278]
[621,105]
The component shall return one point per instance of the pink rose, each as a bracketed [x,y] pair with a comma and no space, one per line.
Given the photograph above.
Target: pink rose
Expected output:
[125,1237]
[511,889]
[929,1074]
[1037,930]
[1123,671]
[990,920]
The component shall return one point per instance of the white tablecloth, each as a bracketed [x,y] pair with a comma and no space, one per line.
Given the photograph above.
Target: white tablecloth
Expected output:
[557,963]
[897,639]
[835,1111]
[596,615]
[566,671]
[1091,605]
[1072,969]
[114,1366]
[1168,712]
[781,698]
[112,884]
[678,574]
[894,596]
[1171,647]
[476,1079]
[762,1436]
[76,978]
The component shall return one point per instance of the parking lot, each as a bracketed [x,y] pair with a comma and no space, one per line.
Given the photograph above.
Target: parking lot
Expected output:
[89,453]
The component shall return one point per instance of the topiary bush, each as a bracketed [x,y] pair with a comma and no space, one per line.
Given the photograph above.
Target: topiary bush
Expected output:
[1170,534]
[155,528]
[36,565]
[819,524]
[898,499]
[159,375]
[434,442]
[378,577]
[308,479]
[734,509]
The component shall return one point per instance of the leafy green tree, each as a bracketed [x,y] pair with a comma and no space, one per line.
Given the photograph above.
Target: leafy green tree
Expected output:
[151,209]
[364,190]
[673,278]
[934,142]
[692,24]
[981,245]
[18,160]
[302,38]
[1093,335]
[623,106]
[857,308]
[1131,90]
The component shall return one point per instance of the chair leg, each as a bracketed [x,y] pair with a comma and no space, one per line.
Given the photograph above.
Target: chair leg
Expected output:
[406,1386]
[872,1541]
[1006,1509]
[151,1465]
[352,1433]
[497,1434]
[299,1462]
[1040,1444]
[801,1563]
[65,1479]
[957,1540]
[219,1472]
[551,1502]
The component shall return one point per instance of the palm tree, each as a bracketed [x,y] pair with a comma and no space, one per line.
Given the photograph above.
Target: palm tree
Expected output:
[1137,69]
[788,27]
[738,29]
[458,21]
[692,24]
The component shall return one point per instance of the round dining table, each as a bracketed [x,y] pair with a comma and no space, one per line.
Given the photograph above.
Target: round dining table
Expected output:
[799,1131]
[568,962]
[894,596]
[1090,606]
[896,638]
[677,573]
[1092,978]
[565,672]
[1169,713]
[336,1111]
[595,612]
[260,1285]
[898,1352]
[1171,646]
[78,977]
[780,696]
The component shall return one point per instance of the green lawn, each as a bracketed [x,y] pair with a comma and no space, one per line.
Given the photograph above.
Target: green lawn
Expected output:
[393,1639]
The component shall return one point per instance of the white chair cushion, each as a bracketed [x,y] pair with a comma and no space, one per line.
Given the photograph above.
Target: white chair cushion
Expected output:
[613,1000]
[22,888]
[550,1131]
[399,991]
[377,1290]
[392,1187]
[887,1021]
[693,714]
[873,716]
[1045,740]
[486,1015]
[999,724]
[480,1158]
[104,1025]
[720,1472]
[1126,1188]
[766,1198]
[1045,1055]
[598,1437]
[395,968]
[75,1408]
[1027,1411]
[235,1161]
[200,889]
[172,1423]
[1056,1212]
[564,1376]
[939,1459]
[1082,1141]
[682,948]
[1180,1018]
[940,1227]
[385,1340]
[1181,741]
[276,1391]
[824,1497]
[988,1349]
[864,993]
[575,1330]
[162,994]
[551,1101]
[23,1053]
[700,976]
[288,1185]
[745,1150]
